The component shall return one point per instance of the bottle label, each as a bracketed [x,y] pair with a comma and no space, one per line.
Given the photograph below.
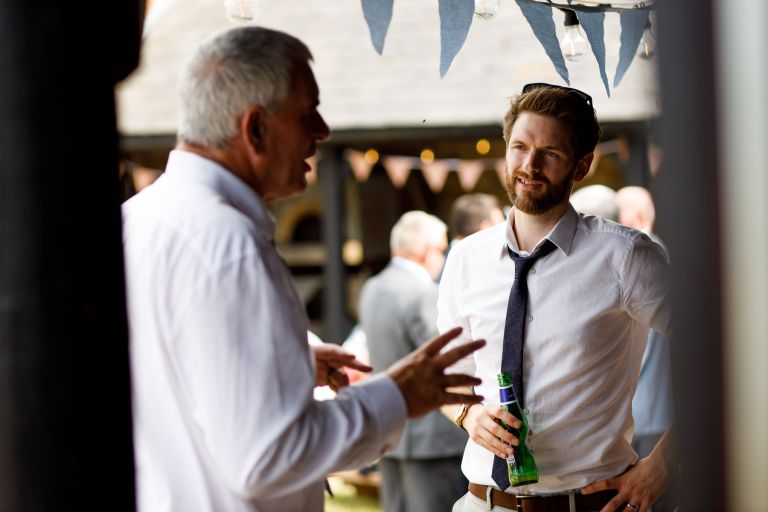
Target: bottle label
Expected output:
[506,394]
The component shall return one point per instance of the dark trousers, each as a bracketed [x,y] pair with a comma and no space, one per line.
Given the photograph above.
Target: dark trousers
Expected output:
[427,485]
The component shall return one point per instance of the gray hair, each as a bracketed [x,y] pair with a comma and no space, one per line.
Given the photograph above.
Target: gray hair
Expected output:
[596,200]
[231,72]
[414,231]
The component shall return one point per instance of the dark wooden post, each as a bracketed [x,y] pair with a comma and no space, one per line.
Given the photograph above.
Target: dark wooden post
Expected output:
[332,174]
[689,208]
[638,170]
[65,413]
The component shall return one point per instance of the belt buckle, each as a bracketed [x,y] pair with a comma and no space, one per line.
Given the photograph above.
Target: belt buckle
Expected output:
[520,498]
[489,497]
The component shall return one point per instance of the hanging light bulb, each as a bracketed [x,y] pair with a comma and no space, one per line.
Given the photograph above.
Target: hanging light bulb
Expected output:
[371,156]
[573,44]
[483,146]
[242,11]
[647,47]
[486,9]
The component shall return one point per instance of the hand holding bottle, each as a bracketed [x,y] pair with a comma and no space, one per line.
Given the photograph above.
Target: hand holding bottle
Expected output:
[482,424]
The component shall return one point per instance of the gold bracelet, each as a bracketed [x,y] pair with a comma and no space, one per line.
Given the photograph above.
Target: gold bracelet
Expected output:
[462,413]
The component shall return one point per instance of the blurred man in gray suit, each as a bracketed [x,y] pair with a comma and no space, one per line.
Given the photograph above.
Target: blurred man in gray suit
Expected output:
[398,311]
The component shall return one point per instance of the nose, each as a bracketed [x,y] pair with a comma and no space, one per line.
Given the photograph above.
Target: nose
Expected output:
[321,129]
[531,161]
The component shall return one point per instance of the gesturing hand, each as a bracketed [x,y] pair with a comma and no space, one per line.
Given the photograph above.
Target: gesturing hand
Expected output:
[330,360]
[421,375]
[483,428]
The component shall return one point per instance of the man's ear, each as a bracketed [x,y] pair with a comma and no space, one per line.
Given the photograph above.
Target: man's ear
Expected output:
[252,129]
[583,166]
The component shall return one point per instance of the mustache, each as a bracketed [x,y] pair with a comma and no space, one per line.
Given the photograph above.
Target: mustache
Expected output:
[529,177]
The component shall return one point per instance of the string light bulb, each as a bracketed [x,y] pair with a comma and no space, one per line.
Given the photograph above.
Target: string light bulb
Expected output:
[427,156]
[242,11]
[371,156]
[483,146]
[574,43]
[647,47]
[486,9]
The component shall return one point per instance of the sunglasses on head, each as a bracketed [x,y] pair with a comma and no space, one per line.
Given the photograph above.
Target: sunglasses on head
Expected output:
[541,85]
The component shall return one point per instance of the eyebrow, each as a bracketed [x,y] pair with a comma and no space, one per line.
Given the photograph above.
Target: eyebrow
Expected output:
[556,148]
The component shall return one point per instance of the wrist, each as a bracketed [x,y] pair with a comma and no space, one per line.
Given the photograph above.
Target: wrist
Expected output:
[461,415]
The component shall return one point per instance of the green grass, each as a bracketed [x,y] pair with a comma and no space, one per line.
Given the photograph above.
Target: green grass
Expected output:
[346,499]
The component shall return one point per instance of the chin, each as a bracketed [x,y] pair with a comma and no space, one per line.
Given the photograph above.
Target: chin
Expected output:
[296,190]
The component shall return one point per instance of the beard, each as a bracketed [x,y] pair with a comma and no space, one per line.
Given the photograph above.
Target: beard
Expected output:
[535,204]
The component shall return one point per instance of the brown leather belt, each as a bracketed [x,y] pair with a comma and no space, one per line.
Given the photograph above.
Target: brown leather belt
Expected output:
[559,503]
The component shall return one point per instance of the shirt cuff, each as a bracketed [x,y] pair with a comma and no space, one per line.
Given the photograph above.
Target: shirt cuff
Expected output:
[386,404]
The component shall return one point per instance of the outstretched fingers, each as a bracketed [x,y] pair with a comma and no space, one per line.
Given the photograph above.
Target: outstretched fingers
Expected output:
[461,398]
[456,380]
[449,357]
[434,346]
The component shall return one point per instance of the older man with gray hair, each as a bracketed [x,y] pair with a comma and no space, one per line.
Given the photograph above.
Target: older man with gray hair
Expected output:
[224,417]
[398,313]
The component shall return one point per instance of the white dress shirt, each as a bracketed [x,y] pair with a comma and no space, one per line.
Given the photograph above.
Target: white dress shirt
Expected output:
[224,417]
[590,304]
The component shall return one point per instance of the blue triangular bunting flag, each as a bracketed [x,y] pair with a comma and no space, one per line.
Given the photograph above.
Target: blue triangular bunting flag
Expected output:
[455,20]
[378,14]
[632,26]
[593,24]
[539,17]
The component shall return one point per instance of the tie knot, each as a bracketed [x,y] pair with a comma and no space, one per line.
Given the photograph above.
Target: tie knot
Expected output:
[524,263]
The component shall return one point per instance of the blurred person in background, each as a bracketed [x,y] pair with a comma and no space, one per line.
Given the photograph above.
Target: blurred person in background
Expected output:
[398,313]
[596,200]
[469,214]
[652,404]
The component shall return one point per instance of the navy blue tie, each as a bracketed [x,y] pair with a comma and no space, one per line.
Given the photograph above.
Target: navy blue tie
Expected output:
[514,336]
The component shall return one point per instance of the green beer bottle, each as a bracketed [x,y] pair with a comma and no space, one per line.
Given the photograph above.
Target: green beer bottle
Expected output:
[521,466]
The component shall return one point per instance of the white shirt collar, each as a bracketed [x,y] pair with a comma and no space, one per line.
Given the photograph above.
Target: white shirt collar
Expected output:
[561,235]
[188,166]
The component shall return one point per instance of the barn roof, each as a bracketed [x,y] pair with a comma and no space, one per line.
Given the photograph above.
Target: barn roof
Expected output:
[361,89]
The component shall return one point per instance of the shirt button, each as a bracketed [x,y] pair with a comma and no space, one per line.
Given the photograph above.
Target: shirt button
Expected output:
[526,411]
[530,363]
[533,271]
[530,318]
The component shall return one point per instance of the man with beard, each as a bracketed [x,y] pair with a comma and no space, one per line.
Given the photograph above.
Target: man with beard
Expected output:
[575,343]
